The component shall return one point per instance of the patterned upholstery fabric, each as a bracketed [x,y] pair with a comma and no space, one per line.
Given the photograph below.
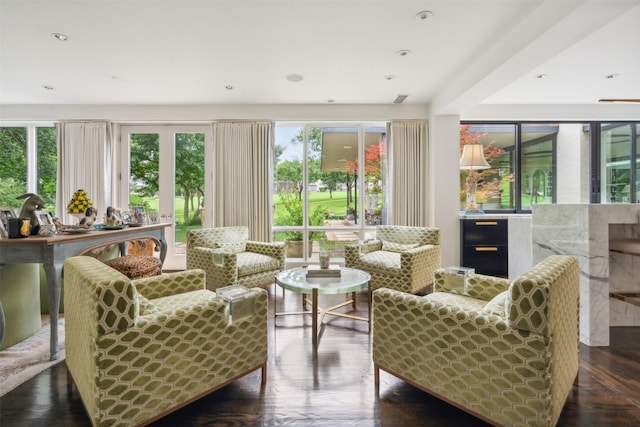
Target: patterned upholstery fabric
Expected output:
[139,349]
[401,258]
[136,266]
[510,360]
[228,258]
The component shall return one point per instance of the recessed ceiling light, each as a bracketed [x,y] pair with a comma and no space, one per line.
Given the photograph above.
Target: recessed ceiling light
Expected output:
[330,101]
[611,76]
[295,78]
[228,87]
[47,87]
[541,76]
[403,52]
[60,36]
[389,77]
[424,15]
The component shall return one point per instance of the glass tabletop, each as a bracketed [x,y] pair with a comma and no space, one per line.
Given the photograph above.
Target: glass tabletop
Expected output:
[350,280]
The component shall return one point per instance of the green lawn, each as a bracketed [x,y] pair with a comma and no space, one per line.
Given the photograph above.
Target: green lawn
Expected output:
[337,204]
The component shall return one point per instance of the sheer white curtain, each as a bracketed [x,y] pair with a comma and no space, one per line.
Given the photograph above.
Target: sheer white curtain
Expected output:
[243,159]
[85,158]
[407,153]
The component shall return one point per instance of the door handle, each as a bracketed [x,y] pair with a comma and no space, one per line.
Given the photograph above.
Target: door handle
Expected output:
[487,249]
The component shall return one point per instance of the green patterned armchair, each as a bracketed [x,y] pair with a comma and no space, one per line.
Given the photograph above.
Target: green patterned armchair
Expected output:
[400,257]
[229,258]
[139,349]
[506,352]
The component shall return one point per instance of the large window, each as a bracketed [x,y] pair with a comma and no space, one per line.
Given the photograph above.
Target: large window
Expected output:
[328,186]
[29,164]
[620,163]
[531,163]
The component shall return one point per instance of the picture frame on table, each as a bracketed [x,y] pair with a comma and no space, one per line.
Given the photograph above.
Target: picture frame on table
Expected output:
[6,212]
[153,217]
[44,218]
[138,214]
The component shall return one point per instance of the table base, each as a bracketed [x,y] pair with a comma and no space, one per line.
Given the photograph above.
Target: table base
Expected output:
[321,312]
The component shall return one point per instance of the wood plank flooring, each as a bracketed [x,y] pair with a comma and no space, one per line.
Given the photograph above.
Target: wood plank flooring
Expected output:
[334,386]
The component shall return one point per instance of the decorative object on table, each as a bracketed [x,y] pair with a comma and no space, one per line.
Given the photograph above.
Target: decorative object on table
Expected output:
[153,217]
[31,205]
[46,226]
[6,212]
[113,217]
[472,160]
[79,204]
[138,215]
[314,271]
[240,300]
[325,259]
[89,218]
[18,227]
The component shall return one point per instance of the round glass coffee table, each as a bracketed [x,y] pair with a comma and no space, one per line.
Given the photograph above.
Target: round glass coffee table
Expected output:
[350,280]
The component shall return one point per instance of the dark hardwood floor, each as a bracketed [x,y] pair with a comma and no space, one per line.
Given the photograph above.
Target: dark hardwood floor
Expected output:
[334,386]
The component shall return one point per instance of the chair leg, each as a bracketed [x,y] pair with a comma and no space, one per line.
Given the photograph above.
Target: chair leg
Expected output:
[264,373]
[376,375]
[69,382]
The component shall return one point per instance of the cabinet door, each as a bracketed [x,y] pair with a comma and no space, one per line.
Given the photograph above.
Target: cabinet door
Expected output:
[484,246]
[490,260]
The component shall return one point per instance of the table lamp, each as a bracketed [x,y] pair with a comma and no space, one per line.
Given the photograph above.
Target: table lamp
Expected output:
[472,160]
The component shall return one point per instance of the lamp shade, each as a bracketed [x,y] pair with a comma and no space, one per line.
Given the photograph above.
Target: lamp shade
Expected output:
[473,157]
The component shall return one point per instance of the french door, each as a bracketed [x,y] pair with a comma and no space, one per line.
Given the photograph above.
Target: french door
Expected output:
[163,172]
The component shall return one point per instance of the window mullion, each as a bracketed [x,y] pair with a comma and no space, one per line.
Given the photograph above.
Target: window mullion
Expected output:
[32,159]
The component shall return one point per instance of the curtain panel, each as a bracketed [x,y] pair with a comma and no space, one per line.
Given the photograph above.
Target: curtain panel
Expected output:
[85,161]
[407,152]
[242,171]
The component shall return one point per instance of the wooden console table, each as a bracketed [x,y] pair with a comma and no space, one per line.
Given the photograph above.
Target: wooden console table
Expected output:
[52,251]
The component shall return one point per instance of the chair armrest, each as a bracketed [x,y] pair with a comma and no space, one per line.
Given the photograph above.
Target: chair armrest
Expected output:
[170,284]
[370,246]
[477,286]
[353,251]
[422,261]
[204,258]
[272,249]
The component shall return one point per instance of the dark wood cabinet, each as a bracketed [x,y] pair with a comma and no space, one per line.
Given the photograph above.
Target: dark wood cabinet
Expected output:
[484,245]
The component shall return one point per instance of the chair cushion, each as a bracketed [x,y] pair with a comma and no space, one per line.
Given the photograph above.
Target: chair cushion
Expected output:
[145,306]
[252,263]
[397,247]
[136,266]
[497,305]
[381,262]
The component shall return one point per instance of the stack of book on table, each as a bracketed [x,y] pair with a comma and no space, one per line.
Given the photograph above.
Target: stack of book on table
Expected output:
[316,271]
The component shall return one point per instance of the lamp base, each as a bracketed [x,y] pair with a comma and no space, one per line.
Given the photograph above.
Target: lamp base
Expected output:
[473,212]
[473,209]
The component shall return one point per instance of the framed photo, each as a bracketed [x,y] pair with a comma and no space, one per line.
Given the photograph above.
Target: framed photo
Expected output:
[153,217]
[6,212]
[44,218]
[138,214]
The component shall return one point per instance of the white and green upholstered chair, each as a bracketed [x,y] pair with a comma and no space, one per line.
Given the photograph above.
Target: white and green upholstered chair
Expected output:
[228,257]
[139,349]
[506,352]
[400,257]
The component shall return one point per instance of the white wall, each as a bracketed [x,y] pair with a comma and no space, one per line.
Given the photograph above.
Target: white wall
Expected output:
[444,144]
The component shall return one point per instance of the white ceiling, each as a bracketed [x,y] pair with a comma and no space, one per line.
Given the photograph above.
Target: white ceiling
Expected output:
[185,52]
